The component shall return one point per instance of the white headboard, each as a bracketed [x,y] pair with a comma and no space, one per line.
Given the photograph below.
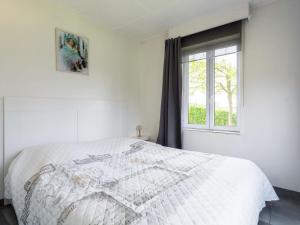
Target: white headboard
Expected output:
[34,121]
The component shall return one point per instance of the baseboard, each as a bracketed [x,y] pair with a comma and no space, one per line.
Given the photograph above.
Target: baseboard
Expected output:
[281,192]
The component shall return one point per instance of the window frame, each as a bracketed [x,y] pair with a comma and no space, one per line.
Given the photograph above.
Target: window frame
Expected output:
[210,90]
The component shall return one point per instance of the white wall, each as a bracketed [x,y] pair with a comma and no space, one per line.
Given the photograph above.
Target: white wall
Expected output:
[27,58]
[149,70]
[270,117]
[224,15]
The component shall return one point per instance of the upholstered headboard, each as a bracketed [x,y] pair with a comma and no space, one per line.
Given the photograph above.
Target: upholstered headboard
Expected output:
[34,121]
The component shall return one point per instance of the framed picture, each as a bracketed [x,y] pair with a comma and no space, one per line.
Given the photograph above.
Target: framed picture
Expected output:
[72,52]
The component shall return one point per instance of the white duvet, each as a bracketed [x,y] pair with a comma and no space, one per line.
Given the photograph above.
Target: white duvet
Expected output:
[127,181]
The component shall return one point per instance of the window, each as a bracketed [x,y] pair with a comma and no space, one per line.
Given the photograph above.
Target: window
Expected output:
[211,87]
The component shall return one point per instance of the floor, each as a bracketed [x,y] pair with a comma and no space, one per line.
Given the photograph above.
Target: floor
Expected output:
[284,212]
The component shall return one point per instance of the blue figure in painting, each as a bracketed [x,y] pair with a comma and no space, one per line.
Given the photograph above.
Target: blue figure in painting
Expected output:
[72,53]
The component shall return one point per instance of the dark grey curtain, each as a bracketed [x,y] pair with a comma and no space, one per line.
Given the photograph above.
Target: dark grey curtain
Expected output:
[170,113]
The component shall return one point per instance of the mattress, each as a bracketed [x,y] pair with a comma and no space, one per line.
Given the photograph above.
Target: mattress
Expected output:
[128,181]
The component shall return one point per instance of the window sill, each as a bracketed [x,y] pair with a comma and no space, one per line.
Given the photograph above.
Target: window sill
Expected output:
[211,131]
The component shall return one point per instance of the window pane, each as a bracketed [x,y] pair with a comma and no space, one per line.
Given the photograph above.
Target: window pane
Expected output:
[225,51]
[225,89]
[198,56]
[197,89]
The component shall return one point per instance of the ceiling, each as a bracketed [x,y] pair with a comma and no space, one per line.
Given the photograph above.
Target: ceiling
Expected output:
[143,19]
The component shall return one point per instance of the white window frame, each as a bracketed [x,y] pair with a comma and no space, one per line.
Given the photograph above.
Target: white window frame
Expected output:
[210,95]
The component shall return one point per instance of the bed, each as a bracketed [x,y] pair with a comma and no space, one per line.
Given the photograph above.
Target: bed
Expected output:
[116,180]
[128,181]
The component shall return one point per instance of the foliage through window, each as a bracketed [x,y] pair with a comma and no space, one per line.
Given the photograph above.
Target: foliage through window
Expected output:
[211,88]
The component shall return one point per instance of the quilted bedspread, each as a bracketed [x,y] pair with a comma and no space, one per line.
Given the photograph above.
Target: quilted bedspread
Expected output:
[127,181]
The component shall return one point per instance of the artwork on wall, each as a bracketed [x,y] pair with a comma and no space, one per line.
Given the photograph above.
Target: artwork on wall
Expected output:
[71,52]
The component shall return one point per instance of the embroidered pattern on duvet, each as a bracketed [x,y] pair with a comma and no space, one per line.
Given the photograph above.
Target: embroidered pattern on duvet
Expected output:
[125,188]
